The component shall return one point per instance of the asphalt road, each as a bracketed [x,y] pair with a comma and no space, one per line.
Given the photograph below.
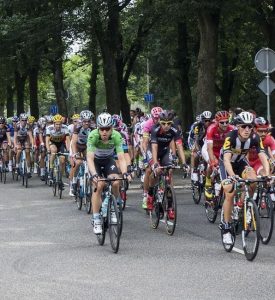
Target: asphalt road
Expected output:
[48,251]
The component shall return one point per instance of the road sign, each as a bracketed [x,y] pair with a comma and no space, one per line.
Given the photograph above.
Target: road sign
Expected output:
[148,97]
[263,86]
[53,109]
[265,60]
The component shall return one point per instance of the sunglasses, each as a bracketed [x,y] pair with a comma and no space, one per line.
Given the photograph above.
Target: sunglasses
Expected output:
[104,128]
[262,131]
[169,123]
[224,123]
[244,126]
[1,123]
[207,121]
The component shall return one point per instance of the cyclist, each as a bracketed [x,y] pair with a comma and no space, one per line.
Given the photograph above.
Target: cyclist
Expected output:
[101,144]
[23,138]
[233,164]
[261,128]
[40,134]
[5,139]
[162,136]
[215,137]
[75,120]
[198,133]
[147,155]
[79,145]
[57,139]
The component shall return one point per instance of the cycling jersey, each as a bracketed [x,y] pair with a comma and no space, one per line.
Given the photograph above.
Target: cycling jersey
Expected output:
[147,127]
[22,132]
[3,133]
[104,150]
[163,139]
[82,134]
[239,149]
[215,136]
[57,136]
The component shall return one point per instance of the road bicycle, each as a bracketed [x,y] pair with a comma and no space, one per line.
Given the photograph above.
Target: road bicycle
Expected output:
[164,201]
[23,172]
[57,183]
[83,187]
[111,215]
[198,185]
[3,168]
[245,219]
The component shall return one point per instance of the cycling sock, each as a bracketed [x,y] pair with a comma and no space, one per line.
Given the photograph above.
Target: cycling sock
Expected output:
[96,216]
[207,181]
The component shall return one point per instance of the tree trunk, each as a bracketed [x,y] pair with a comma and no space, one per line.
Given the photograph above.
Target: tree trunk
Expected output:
[33,89]
[93,80]
[125,106]
[10,104]
[60,95]
[206,93]
[20,80]
[183,60]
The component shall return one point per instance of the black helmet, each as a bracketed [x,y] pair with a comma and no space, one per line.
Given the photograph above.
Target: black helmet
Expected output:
[166,115]
[2,119]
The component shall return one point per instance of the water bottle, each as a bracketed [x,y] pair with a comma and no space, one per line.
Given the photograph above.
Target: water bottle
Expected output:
[104,207]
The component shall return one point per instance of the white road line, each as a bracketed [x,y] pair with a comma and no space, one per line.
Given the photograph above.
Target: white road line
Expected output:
[238,250]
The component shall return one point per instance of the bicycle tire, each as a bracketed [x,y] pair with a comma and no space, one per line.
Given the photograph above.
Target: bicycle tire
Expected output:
[88,196]
[5,176]
[266,218]
[251,229]
[54,187]
[25,174]
[197,190]
[60,189]
[170,221]
[155,213]
[78,197]
[114,227]
[101,237]
[211,209]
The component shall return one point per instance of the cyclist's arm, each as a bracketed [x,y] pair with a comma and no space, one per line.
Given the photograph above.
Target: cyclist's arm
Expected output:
[144,144]
[210,151]
[155,152]
[41,138]
[48,143]
[173,147]
[9,138]
[180,151]
[91,163]
[67,141]
[264,161]
[31,138]
[122,162]
[227,163]
[74,142]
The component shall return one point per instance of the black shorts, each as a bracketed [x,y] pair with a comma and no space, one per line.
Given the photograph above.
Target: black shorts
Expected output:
[238,168]
[105,167]
[59,146]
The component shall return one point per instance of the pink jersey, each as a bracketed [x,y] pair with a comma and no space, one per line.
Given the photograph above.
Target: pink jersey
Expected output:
[147,127]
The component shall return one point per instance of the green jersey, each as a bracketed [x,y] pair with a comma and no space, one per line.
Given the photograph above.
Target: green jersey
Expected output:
[104,150]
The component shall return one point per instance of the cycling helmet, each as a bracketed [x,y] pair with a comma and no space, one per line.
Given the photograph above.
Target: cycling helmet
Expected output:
[149,116]
[104,120]
[75,116]
[206,115]
[57,118]
[155,111]
[261,122]
[15,119]
[42,122]
[116,117]
[222,115]
[31,119]
[166,115]
[49,118]
[23,117]
[244,117]
[115,122]
[2,120]
[86,115]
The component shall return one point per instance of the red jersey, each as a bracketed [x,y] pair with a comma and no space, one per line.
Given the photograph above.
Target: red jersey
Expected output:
[216,137]
[268,142]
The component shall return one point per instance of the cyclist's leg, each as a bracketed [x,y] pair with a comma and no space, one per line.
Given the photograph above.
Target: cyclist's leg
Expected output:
[18,151]
[28,156]
[53,150]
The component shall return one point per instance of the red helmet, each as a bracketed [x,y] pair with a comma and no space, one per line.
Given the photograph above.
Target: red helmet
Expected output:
[261,122]
[155,111]
[222,115]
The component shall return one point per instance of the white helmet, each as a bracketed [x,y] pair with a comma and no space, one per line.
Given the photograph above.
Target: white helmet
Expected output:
[104,120]
[23,116]
[244,117]
[86,115]
[42,122]
[205,115]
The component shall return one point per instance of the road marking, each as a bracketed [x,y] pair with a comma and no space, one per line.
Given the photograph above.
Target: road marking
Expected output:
[238,250]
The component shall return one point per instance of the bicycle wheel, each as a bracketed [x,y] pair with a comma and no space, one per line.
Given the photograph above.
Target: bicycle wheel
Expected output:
[54,186]
[26,174]
[197,190]
[211,208]
[101,237]
[170,208]
[1,174]
[251,230]
[60,184]
[78,196]
[114,223]
[88,204]
[265,209]
[155,213]
[4,175]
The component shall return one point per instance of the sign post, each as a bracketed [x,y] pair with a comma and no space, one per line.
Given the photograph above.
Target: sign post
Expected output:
[265,63]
